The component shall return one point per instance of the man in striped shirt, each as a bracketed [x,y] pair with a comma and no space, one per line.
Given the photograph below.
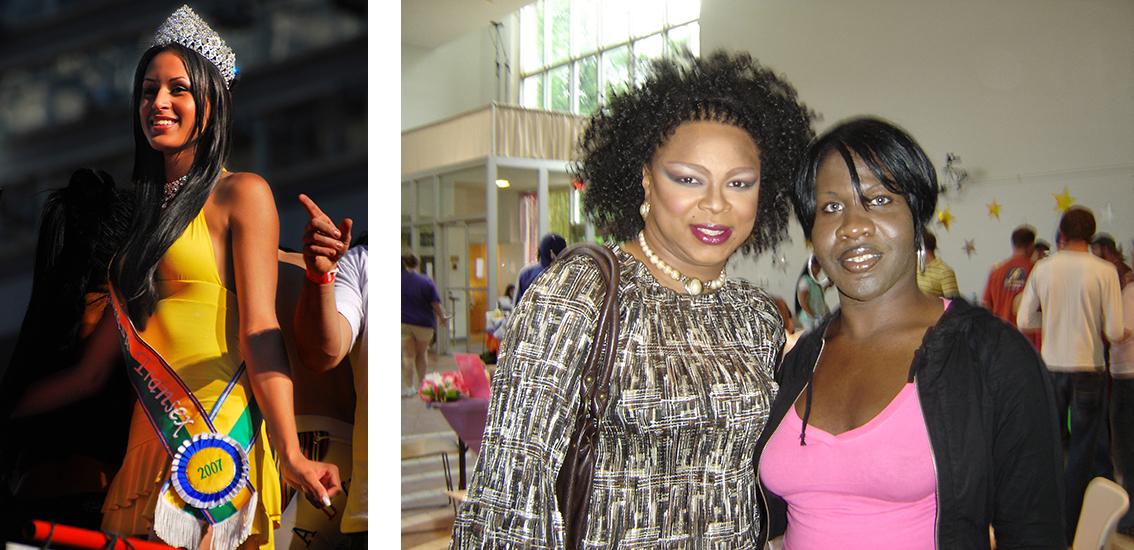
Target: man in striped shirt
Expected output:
[938,278]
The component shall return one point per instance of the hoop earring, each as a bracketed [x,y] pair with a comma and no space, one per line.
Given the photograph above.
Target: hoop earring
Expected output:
[644,210]
[825,281]
[921,259]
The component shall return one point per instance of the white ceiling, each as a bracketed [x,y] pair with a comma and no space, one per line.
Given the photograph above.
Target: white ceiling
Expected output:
[430,23]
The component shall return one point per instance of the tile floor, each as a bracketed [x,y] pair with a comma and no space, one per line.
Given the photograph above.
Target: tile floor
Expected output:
[427,515]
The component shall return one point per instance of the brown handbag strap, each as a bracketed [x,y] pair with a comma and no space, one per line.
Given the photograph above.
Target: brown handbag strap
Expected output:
[596,377]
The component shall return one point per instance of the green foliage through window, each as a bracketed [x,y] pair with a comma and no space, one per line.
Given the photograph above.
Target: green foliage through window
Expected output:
[574,52]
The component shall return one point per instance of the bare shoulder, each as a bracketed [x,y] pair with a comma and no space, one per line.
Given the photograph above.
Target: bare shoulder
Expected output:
[243,186]
[243,194]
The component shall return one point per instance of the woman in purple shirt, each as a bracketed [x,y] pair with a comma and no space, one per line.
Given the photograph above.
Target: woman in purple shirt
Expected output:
[421,306]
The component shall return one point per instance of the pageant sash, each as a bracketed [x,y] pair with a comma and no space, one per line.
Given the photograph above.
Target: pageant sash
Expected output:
[209,478]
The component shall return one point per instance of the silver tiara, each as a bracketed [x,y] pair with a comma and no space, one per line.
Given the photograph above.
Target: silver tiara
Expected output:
[186,28]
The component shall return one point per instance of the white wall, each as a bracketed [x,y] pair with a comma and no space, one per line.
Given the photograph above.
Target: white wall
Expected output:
[1034,95]
[450,79]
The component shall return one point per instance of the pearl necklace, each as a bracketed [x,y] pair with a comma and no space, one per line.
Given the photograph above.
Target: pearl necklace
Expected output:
[171,188]
[692,285]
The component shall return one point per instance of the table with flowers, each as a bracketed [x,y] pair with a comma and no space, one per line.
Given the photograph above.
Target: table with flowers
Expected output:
[462,397]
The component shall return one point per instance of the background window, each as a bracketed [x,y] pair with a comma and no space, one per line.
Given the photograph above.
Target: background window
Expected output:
[574,52]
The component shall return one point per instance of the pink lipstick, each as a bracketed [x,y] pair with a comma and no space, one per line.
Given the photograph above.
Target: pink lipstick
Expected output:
[709,233]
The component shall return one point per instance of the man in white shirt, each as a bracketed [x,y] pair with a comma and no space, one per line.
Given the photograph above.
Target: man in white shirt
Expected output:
[331,322]
[1078,294]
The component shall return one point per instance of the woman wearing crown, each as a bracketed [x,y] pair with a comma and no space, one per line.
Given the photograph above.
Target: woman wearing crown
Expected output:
[214,388]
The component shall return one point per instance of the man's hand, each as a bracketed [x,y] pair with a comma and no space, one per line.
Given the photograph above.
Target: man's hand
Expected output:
[323,243]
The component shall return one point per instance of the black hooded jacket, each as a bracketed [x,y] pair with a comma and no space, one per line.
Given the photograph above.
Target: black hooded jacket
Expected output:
[990,414]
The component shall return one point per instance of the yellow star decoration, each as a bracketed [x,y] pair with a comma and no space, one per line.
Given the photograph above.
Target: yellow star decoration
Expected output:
[969,247]
[945,217]
[993,209]
[1064,201]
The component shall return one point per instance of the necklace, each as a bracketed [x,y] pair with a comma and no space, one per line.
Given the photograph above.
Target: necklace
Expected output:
[692,285]
[171,188]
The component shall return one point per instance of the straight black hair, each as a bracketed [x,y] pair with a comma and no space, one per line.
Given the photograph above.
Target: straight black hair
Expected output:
[81,227]
[154,229]
[893,157]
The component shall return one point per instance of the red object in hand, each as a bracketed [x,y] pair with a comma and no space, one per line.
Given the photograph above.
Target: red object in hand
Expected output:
[74,537]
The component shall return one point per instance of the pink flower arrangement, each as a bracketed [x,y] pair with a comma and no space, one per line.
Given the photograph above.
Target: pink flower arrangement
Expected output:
[442,387]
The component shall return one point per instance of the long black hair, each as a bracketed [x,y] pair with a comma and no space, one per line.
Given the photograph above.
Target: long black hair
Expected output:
[154,229]
[81,228]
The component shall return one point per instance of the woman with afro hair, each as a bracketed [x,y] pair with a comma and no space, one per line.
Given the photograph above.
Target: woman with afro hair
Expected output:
[680,173]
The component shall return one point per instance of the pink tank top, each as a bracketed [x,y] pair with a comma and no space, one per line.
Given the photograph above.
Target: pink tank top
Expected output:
[871,487]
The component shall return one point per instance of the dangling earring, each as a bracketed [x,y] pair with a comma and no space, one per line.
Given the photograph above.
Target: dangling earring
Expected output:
[921,259]
[644,210]
[825,281]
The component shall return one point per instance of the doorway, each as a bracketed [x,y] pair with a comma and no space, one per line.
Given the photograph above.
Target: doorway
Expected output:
[462,274]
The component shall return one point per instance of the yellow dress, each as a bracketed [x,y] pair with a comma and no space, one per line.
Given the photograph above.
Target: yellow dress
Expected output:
[195,328]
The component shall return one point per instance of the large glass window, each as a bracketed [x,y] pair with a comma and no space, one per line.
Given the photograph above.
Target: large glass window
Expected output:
[573,53]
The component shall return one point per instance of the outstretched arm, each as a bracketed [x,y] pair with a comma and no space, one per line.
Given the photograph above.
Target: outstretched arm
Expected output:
[255,233]
[81,380]
[322,334]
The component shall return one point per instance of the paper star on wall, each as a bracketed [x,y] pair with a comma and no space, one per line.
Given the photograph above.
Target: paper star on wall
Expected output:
[1064,201]
[945,217]
[993,209]
[969,248]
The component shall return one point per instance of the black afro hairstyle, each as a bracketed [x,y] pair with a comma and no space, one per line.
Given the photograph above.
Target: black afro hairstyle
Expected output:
[623,136]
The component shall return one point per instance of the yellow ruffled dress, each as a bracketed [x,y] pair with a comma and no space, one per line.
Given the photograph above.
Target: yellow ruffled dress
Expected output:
[195,328]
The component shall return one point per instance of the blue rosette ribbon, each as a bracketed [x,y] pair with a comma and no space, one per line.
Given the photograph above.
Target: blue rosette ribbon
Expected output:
[209,470]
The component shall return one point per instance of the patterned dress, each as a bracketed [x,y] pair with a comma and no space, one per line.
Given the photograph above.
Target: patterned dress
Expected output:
[689,397]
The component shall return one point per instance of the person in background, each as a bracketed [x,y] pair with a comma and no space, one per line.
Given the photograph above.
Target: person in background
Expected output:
[549,248]
[65,479]
[681,171]
[508,300]
[330,324]
[810,304]
[421,311]
[937,278]
[496,322]
[1074,298]
[1103,246]
[1043,249]
[1122,407]
[325,406]
[903,420]
[1006,280]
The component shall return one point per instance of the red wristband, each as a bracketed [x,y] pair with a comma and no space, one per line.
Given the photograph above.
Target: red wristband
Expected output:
[326,278]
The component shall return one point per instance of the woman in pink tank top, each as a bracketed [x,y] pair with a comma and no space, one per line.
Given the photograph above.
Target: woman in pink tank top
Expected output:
[903,420]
